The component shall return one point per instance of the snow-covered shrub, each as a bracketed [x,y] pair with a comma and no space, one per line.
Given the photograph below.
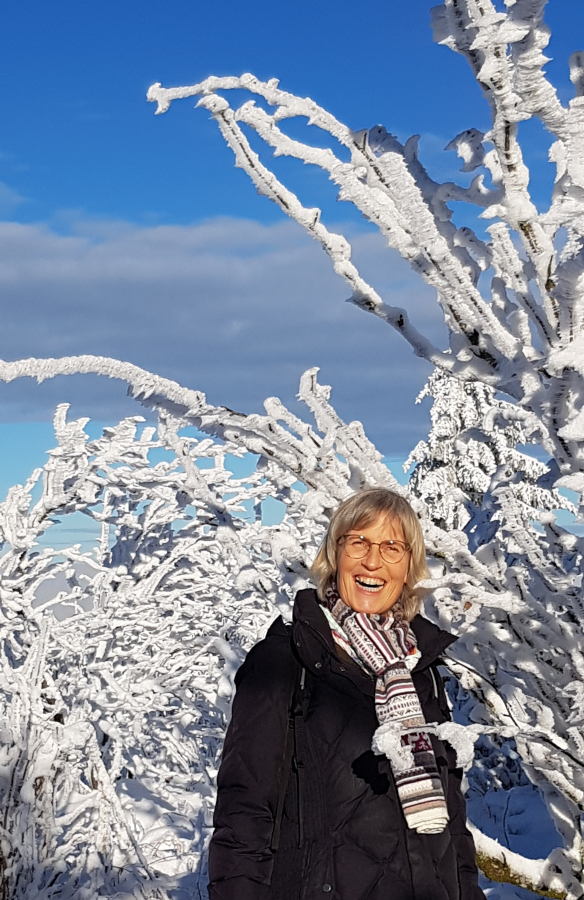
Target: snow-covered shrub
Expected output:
[117,680]
[115,688]
[118,660]
[512,298]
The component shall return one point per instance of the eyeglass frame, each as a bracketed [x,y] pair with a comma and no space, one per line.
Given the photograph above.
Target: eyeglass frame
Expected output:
[370,544]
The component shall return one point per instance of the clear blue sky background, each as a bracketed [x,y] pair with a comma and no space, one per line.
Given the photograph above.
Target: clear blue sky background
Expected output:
[134,236]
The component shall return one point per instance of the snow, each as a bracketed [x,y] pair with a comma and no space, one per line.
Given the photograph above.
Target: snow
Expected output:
[113,716]
[121,705]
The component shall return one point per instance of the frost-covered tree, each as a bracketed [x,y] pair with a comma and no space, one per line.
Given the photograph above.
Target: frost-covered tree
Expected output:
[523,336]
[116,682]
[472,455]
[117,661]
[512,297]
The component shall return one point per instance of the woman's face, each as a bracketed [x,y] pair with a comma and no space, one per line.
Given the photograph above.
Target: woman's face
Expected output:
[372,585]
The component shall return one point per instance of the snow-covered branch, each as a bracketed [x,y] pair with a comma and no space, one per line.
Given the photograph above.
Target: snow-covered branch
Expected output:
[118,659]
[506,334]
[508,422]
[135,641]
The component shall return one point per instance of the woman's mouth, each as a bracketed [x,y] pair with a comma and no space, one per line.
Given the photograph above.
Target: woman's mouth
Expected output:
[369,584]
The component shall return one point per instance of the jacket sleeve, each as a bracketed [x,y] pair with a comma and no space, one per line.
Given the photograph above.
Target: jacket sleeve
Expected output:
[250,775]
[461,836]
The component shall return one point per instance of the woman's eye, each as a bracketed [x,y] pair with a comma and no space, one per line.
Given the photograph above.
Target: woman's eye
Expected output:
[357,542]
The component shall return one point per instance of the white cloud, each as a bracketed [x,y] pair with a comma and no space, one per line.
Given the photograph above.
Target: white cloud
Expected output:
[232,307]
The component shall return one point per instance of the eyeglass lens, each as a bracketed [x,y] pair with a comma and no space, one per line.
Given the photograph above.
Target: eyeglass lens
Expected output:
[359,547]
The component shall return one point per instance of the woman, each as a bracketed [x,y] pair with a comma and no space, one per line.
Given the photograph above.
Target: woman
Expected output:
[330,783]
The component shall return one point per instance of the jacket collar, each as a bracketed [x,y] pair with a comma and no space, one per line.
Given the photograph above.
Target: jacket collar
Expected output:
[432,640]
[315,646]
[308,611]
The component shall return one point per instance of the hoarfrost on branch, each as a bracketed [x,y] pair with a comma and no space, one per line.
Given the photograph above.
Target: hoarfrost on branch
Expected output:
[117,663]
[523,336]
[512,298]
[117,681]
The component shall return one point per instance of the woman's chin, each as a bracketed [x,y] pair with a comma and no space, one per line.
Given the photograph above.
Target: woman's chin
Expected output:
[369,603]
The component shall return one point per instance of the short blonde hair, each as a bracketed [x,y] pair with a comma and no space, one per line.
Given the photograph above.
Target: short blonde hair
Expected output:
[359,511]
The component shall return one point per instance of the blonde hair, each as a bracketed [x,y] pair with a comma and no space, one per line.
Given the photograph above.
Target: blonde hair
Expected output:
[359,511]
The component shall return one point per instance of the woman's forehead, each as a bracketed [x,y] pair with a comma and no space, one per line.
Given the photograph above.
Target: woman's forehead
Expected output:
[384,525]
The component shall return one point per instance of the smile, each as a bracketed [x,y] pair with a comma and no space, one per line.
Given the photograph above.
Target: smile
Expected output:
[369,584]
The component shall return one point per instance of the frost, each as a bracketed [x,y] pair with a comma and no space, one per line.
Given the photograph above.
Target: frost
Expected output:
[462,740]
[118,662]
[507,435]
[387,741]
[116,689]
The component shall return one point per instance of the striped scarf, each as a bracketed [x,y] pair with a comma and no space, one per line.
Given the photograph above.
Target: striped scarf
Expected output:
[386,648]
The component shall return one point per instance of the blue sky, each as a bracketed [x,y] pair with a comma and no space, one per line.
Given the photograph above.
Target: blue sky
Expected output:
[131,235]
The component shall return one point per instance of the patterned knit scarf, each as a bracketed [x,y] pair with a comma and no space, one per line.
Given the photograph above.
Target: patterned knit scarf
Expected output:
[386,647]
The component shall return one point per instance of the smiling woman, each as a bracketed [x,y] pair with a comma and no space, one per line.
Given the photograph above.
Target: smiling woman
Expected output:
[333,778]
[373,517]
[371,573]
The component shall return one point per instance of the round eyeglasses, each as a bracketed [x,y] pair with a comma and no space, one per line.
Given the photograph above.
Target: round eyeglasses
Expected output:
[358,547]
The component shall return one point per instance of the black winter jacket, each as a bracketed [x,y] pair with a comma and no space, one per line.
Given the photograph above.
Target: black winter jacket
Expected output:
[305,809]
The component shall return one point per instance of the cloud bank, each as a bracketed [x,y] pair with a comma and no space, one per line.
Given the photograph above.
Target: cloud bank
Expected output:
[229,306]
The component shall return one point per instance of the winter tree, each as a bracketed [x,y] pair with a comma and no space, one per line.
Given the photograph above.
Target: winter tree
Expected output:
[116,684]
[117,662]
[513,304]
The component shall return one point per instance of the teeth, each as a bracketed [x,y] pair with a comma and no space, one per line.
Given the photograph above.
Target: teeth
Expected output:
[369,583]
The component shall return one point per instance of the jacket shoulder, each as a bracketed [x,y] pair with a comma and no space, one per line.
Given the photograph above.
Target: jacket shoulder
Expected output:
[432,640]
[272,657]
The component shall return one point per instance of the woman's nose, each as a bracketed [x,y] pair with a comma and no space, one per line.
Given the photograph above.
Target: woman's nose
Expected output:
[373,557]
